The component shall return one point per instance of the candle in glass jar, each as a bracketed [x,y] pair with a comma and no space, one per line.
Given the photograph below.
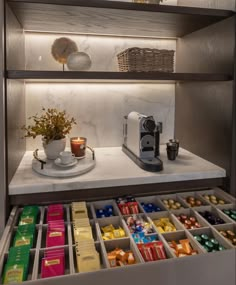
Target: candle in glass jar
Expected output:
[78,146]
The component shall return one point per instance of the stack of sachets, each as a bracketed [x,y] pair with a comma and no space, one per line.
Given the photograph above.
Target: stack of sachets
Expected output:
[17,265]
[16,268]
[86,254]
[29,215]
[55,233]
[25,235]
[53,263]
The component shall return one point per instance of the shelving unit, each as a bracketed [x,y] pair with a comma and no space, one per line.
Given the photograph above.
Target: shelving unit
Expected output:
[51,76]
[113,18]
[205,85]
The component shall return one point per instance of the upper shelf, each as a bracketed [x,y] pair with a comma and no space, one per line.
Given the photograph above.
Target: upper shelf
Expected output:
[113,18]
[54,76]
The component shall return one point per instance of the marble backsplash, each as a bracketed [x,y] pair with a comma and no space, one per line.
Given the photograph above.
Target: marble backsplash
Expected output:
[99,108]
[102,49]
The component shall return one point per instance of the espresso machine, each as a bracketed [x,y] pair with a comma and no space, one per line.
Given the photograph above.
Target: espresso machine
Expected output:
[142,141]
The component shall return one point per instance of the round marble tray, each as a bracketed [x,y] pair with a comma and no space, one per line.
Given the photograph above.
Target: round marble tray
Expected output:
[52,170]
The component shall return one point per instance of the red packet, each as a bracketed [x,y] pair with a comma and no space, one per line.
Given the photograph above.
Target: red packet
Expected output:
[54,252]
[55,238]
[124,209]
[55,212]
[52,266]
[133,206]
[159,249]
[56,225]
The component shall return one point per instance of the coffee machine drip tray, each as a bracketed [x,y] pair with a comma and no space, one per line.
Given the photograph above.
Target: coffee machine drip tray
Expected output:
[149,164]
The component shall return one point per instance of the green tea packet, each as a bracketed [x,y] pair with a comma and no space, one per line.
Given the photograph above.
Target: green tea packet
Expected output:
[20,240]
[29,215]
[14,273]
[17,256]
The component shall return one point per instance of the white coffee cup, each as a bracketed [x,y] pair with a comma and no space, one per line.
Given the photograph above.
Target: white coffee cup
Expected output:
[66,157]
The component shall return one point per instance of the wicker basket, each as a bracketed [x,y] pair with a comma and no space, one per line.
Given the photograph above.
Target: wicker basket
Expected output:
[146,59]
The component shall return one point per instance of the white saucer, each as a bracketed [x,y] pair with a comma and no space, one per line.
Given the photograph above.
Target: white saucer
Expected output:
[79,157]
[58,163]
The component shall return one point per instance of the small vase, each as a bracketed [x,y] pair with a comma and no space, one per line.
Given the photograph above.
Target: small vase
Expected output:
[53,148]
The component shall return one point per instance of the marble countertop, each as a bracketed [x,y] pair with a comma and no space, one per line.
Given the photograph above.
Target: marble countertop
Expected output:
[114,168]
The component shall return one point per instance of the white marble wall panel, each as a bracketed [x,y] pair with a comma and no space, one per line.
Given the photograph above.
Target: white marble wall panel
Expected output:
[99,108]
[165,2]
[215,4]
[102,49]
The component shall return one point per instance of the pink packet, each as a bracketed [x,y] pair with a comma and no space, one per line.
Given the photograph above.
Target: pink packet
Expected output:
[54,226]
[55,215]
[55,206]
[54,252]
[52,266]
[55,238]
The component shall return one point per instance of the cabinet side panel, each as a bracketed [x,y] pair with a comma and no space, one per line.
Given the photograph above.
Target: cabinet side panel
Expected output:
[15,46]
[215,4]
[15,120]
[203,118]
[3,193]
[210,50]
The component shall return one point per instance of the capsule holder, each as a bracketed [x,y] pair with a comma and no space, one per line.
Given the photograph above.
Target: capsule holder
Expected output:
[150,199]
[184,195]
[214,211]
[164,214]
[219,194]
[126,243]
[211,233]
[97,205]
[189,213]
[226,227]
[221,208]
[117,222]
[175,197]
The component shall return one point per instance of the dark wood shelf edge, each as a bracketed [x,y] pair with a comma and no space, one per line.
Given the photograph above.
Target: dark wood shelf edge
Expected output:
[134,6]
[123,76]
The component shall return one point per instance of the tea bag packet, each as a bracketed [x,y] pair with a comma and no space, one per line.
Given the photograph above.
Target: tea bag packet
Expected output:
[84,222]
[79,210]
[16,267]
[56,226]
[88,262]
[13,273]
[55,212]
[25,235]
[81,233]
[29,215]
[54,252]
[55,233]
[52,266]
[87,256]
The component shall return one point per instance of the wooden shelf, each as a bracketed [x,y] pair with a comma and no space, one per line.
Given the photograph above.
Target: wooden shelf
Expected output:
[54,76]
[113,18]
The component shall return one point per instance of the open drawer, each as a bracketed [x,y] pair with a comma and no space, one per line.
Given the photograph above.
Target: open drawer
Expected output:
[204,268]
